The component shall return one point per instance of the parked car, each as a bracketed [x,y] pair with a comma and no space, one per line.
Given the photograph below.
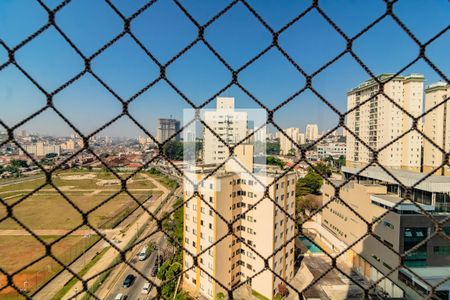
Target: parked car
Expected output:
[119,296]
[143,254]
[146,288]
[129,280]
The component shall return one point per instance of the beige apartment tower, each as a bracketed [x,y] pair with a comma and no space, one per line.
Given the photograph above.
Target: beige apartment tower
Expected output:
[285,143]
[260,230]
[436,127]
[312,132]
[377,121]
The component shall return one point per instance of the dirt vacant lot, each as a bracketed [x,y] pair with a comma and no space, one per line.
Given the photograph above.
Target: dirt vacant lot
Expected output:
[17,252]
[47,209]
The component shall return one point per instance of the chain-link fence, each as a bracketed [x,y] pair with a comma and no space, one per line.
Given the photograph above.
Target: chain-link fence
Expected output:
[161,223]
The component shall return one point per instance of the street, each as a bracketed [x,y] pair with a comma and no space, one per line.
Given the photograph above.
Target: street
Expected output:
[134,292]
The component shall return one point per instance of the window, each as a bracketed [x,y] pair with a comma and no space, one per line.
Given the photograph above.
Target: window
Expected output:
[441,250]
[387,224]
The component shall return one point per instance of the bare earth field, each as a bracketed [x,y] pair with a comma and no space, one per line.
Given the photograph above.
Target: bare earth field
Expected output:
[20,251]
[48,211]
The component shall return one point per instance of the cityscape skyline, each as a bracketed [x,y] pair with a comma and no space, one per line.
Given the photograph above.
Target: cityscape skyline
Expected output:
[271,79]
[224,149]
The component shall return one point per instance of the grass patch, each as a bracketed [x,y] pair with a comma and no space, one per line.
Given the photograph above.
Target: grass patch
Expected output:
[164,179]
[259,296]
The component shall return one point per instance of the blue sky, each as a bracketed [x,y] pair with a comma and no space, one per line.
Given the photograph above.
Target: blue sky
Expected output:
[237,36]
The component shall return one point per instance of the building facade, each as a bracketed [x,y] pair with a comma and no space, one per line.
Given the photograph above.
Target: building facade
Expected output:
[312,132]
[436,127]
[259,228]
[227,123]
[377,121]
[403,226]
[335,150]
[41,149]
[166,128]
[286,145]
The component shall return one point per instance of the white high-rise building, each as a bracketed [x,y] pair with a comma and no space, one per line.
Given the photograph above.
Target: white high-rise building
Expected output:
[312,132]
[378,121]
[230,125]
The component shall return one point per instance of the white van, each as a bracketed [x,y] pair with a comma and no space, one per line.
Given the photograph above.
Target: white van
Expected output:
[147,287]
[143,254]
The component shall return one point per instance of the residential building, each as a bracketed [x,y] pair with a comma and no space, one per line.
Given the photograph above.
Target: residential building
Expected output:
[312,132]
[333,149]
[286,145]
[260,229]
[436,127]
[377,121]
[167,128]
[230,224]
[41,149]
[69,145]
[373,194]
[227,123]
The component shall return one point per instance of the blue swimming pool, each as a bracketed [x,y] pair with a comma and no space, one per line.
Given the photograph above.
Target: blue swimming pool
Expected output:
[309,245]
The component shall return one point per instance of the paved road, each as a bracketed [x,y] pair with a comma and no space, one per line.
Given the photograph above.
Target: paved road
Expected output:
[145,267]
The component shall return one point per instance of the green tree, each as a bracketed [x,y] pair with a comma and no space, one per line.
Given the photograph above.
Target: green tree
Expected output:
[173,150]
[162,270]
[341,161]
[220,296]
[51,155]
[291,152]
[271,160]
[273,148]
[310,184]
[173,270]
[17,163]
[322,168]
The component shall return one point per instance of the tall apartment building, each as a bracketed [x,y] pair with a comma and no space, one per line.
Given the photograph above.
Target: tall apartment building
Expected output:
[230,125]
[286,145]
[374,193]
[41,149]
[233,195]
[165,128]
[436,127]
[378,121]
[260,229]
[312,132]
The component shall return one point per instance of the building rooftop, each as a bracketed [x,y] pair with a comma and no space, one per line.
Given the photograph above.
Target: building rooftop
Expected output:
[385,77]
[390,200]
[434,183]
[431,275]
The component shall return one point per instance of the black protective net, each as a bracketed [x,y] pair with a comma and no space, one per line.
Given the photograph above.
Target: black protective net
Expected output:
[161,218]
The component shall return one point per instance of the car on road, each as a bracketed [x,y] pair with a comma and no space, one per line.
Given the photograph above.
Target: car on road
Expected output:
[143,254]
[129,280]
[120,296]
[146,288]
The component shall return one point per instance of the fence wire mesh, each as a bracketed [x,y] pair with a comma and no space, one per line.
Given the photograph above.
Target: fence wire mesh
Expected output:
[160,220]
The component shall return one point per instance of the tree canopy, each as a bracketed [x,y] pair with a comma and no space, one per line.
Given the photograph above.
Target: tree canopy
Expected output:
[274,161]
